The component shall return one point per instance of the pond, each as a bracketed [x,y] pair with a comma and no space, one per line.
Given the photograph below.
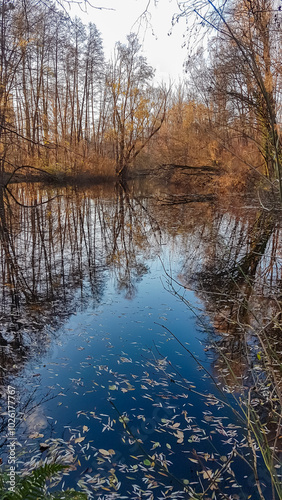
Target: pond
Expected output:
[122,315]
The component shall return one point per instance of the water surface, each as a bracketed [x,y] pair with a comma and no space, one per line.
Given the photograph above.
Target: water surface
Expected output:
[113,305]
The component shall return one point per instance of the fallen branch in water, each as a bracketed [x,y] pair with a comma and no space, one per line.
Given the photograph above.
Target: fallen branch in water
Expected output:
[192,198]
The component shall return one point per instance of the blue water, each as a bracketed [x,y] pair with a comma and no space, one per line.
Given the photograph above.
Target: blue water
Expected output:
[116,396]
[110,352]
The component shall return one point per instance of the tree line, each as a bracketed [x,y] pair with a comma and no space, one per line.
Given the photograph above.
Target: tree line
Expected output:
[64,107]
[239,77]
[62,103]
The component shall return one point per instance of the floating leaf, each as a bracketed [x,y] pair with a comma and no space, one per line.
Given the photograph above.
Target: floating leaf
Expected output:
[208,418]
[113,387]
[156,445]
[174,426]
[179,435]
[106,453]
[130,387]
[124,420]
[207,474]
[147,462]
[80,439]
[36,435]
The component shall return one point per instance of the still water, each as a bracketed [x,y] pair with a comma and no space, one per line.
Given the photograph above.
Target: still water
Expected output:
[118,311]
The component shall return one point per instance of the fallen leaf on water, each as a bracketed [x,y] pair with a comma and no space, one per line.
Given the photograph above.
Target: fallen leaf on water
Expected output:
[174,426]
[155,445]
[207,474]
[208,418]
[78,440]
[36,435]
[179,435]
[105,452]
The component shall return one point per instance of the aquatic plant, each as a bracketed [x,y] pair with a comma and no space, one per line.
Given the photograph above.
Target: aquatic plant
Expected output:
[34,485]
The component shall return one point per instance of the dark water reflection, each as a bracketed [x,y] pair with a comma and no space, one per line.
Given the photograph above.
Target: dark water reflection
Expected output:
[89,315]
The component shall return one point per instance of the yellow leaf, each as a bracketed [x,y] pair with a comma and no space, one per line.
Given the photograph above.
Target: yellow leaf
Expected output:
[78,440]
[35,435]
[207,474]
[174,426]
[104,452]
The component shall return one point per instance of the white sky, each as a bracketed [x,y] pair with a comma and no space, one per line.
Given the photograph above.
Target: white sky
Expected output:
[163,52]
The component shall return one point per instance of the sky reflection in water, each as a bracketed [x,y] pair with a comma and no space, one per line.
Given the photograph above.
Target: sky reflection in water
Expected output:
[115,394]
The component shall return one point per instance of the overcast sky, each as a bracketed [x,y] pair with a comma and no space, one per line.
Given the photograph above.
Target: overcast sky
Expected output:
[164,52]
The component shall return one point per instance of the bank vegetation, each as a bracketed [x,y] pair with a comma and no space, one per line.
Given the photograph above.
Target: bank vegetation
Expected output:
[71,113]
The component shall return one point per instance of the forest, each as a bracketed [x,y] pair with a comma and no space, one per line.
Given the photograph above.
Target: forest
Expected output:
[140,257]
[68,111]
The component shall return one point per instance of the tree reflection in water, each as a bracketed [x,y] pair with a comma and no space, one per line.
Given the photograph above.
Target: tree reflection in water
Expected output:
[57,248]
[238,276]
[60,247]
[241,277]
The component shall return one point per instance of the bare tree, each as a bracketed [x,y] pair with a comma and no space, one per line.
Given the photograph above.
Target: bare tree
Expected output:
[246,44]
[138,109]
[50,78]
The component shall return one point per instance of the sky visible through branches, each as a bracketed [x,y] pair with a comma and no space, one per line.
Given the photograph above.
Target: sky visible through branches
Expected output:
[163,46]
